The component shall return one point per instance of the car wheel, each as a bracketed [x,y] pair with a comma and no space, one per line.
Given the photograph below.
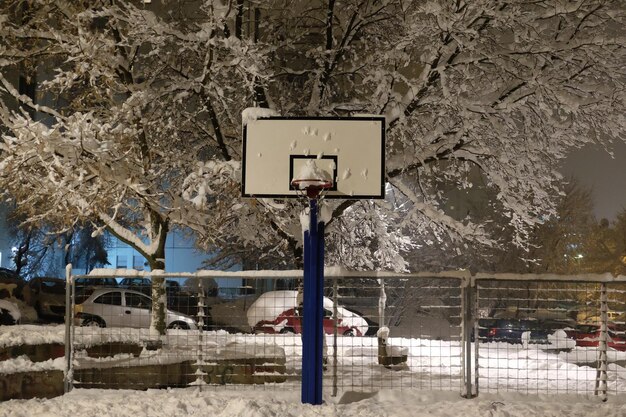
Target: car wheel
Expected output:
[287,330]
[93,322]
[178,325]
[350,332]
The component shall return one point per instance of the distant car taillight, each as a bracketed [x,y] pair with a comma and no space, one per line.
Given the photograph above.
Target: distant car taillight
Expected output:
[492,331]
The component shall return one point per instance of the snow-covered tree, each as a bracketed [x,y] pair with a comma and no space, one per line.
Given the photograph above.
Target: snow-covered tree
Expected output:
[606,248]
[560,242]
[136,118]
[138,124]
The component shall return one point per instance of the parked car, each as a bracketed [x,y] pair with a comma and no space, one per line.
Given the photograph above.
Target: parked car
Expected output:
[48,296]
[177,300]
[9,312]
[290,321]
[372,326]
[511,330]
[111,307]
[84,287]
[278,312]
[588,335]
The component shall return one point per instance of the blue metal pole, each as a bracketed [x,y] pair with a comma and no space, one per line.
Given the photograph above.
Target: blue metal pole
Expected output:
[306,343]
[319,288]
[313,312]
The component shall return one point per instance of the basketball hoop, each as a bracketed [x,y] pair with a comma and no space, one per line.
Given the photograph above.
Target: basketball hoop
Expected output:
[311,187]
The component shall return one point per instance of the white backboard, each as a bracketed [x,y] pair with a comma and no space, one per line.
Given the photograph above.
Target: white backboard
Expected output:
[350,149]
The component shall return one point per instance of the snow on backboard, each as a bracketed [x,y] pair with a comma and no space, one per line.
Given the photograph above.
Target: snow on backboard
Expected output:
[350,149]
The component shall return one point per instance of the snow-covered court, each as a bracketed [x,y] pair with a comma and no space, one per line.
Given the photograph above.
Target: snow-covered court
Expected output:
[514,380]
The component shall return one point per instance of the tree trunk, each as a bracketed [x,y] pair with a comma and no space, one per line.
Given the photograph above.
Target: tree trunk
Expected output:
[159,301]
[156,260]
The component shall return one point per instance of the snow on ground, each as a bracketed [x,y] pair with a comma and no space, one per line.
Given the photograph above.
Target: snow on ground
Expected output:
[31,334]
[251,402]
[428,385]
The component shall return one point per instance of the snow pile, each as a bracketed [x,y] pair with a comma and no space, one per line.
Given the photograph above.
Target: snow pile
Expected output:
[311,174]
[112,272]
[31,335]
[270,305]
[383,333]
[525,339]
[24,364]
[254,113]
[392,350]
[559,340]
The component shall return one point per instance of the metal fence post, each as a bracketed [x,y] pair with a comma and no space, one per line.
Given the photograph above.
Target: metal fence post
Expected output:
[335,296]
[466,336]
[382,302]
[601,373]
[68,377]
[200,363]
[474,289]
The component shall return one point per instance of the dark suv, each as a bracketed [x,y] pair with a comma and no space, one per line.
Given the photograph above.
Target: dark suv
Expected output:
[511,330]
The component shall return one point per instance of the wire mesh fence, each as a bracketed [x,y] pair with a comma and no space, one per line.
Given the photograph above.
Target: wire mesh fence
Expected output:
[448,331]
[550,337]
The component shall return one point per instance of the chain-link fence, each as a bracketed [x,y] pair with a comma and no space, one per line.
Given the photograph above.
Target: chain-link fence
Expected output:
[551,336]
[447,331]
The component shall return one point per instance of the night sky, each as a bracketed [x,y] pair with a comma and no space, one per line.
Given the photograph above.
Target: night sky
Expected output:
[606,177]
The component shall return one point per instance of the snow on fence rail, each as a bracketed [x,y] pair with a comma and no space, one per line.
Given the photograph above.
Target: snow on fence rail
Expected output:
[430,331]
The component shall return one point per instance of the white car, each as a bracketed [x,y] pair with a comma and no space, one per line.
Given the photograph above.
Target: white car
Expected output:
[112,307]
[271,305]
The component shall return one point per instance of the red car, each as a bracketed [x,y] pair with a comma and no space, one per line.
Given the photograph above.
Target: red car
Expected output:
[290,321]
[589,335]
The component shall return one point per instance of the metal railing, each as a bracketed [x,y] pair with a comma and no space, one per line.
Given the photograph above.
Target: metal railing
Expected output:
[428,331]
